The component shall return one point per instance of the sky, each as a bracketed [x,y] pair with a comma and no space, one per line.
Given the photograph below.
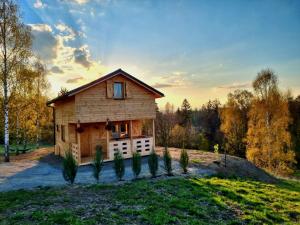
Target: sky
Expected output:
[192,49]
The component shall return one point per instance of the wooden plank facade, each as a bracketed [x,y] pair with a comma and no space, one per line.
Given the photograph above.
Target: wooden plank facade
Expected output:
[116,111]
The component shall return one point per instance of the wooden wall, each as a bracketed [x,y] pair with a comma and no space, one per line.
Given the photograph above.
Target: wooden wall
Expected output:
[64,114]
[94,104]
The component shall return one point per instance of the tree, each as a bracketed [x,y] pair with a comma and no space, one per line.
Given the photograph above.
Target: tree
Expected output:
[98,162]
[165,122]
[69,167]
[210,122]
[294,108]
[268,138]
[15,43]
[234,121]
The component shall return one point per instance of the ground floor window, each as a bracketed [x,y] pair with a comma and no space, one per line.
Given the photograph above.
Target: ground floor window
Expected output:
[63,133]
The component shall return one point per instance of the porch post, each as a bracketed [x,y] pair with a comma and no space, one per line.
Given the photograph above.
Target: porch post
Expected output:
[107,144]
[78,143]
[153,132]
[131,140]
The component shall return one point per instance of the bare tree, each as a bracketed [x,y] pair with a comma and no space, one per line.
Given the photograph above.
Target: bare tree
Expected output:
[15,43]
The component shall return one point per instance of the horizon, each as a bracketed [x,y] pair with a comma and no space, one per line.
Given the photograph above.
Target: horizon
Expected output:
[195,50]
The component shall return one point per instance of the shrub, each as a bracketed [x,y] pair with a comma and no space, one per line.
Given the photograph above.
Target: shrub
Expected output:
[119,165]
[168,162]
[184,160]
[98,161]
[153,163]
[69,167]
[136,163]
[216,149]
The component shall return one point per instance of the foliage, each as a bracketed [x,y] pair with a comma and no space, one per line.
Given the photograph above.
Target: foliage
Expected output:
[15,44]
[119,165]
[153,163]
[185,114]
[167,162]
[177,135]
[159,203]
[164,125]
[294,128]
[234,121]
[202,142]
[268,139]
[184,160]
[216,148]
[69,167]
[98,162]
[136,163]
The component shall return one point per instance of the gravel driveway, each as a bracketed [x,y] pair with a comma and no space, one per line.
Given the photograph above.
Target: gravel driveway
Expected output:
[47,172]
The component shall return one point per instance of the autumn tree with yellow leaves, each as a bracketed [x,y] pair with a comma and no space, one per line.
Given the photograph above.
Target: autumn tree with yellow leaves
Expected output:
[268,137]
[234,121]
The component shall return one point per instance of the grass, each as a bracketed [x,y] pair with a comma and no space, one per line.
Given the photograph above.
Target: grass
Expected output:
[176,200]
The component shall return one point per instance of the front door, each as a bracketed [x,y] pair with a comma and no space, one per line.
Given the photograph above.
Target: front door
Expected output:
[85,142]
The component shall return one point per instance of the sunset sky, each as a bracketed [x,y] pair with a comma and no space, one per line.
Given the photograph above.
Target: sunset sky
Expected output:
[198,50]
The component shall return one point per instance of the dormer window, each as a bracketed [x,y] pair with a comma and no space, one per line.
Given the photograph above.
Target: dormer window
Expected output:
[118,90]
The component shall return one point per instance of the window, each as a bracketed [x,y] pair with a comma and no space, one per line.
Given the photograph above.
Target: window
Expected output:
[63,135]
[57,128]
[118,90]
[123,128]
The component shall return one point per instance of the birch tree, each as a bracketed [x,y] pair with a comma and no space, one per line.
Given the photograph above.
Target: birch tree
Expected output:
[15,50]
[268,137]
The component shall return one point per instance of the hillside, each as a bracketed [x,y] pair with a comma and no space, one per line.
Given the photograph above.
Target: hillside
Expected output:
[157,201]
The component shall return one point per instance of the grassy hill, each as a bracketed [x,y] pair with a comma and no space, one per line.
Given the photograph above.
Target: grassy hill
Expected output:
[157,201]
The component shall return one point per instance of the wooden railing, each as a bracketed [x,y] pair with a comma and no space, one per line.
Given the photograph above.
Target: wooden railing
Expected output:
[141,145]
[75,151]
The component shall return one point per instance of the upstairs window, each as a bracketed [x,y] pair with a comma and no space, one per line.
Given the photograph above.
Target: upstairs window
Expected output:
[118,90]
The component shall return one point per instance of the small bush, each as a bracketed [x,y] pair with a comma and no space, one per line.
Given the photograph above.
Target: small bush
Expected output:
[168,162]
[153,163]
[136,163]
[119,165]
[98,161]
[69,167]
[184,160]
[216,149]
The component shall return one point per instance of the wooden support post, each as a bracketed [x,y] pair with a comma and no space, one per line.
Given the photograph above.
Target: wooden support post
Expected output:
[131,140]
[107,145]
[78,143]
[153,132]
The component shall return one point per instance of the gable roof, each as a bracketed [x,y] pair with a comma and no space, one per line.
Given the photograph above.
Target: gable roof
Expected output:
[102,79]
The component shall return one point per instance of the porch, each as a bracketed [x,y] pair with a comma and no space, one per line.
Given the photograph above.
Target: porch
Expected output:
[124,136]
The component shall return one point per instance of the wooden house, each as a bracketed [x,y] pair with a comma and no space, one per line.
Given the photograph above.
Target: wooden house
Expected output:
[116,111]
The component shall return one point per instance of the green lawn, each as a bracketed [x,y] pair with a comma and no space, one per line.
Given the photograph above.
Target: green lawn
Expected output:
[178,200]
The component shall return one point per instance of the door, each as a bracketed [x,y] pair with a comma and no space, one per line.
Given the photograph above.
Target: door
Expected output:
[85,142]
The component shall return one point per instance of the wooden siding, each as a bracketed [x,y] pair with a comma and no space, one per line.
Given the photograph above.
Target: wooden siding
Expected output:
[96,105]
[64,114]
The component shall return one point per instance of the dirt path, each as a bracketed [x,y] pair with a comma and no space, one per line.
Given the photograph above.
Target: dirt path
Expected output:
[29,156]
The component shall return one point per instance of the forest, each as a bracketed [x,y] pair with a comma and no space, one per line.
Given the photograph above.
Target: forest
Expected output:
[262,125]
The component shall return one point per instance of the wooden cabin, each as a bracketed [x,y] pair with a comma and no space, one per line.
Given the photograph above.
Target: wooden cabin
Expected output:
[116,111]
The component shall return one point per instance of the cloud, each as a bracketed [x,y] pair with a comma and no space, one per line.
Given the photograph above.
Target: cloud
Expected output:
[74,80]
[39,4]
[81,2]
[162,85]
[56,69]
[45,44]
[81,56]
[66,32]
[235,85]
